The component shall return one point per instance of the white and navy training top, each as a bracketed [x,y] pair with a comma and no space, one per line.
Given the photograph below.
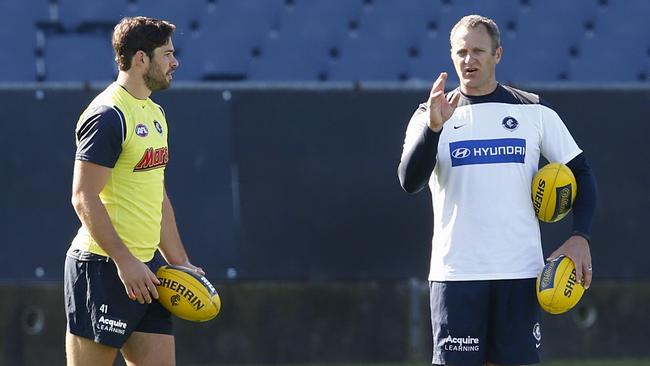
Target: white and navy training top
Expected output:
[479,169]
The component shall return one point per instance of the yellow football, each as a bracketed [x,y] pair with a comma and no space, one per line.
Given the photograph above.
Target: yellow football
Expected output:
[557,287]
[553,192]
[187,294]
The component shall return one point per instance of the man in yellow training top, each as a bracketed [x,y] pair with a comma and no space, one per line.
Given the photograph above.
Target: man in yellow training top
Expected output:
[119,195]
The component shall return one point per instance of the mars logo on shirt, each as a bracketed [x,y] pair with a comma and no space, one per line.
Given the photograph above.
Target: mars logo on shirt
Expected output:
[152,159]
[497,151]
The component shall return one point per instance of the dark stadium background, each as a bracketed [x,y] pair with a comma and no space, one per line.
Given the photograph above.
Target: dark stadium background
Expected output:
[287,119]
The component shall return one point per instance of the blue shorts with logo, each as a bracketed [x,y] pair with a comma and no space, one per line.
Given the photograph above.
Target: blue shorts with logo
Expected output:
[97,306]
[475,322]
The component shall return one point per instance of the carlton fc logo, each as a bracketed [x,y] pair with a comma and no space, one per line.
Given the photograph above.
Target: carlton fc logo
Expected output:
[510,123]
[158,126]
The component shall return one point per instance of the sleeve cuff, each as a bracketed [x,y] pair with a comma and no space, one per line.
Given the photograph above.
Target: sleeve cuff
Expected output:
[580,233]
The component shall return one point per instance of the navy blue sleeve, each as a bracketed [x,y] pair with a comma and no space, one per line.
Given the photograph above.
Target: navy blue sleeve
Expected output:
[584,206]
[417,164]
[100,136]
[545,103]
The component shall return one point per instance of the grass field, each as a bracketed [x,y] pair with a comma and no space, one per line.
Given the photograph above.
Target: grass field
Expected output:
[572,362]
[600,362]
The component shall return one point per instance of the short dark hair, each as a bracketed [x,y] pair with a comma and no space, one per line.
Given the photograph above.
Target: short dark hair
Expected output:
[133,34]
[473,21]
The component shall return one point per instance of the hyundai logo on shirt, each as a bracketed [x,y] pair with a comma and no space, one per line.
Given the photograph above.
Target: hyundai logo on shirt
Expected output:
[487,151]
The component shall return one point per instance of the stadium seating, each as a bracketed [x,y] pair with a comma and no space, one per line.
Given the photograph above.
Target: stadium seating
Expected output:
[17,62]
[184,15]
[227,39]
[538,50]
[18,35]
[367,57]
[177,12]
[502,11]
[431,57]
[617,48]
[77,57]
[286,59]
[19,13]
[307,37]
[377,48]
[75,14]
[599,41]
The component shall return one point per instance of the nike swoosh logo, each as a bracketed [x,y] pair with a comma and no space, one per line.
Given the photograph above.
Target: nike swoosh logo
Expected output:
[537,345]
[457,127]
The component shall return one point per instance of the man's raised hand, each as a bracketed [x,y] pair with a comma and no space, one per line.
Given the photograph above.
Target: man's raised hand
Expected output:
[440,110]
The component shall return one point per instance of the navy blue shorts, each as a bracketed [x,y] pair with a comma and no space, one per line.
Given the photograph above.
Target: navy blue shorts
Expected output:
[97,306]
[475,322]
